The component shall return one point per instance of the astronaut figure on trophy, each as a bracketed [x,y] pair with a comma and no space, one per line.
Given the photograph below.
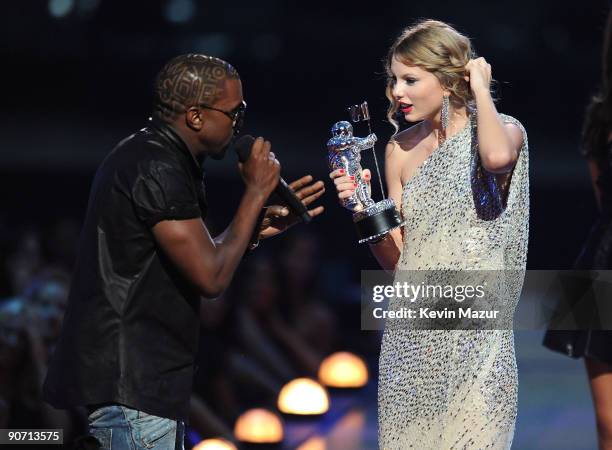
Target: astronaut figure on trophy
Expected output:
[372,220]
[345,153]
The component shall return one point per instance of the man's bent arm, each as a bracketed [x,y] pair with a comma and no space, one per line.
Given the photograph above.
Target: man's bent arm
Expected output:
[210,266]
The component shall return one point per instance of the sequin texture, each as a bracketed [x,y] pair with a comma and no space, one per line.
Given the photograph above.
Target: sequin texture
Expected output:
[456,389]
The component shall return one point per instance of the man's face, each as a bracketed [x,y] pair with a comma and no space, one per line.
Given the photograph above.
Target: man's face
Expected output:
[218,131]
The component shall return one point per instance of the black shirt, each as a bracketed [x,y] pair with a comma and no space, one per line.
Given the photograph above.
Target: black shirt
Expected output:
[130,333]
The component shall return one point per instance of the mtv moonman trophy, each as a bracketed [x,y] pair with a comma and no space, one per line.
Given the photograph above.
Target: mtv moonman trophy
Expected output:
[372,220]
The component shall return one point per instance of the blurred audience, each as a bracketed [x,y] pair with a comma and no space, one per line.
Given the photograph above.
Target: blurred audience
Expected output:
[274,324]
[29,327]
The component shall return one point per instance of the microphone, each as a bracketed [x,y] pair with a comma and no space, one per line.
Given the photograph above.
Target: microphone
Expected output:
[243,148]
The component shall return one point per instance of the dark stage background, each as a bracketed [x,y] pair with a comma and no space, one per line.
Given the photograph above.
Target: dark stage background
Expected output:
[75,85]
[76,78]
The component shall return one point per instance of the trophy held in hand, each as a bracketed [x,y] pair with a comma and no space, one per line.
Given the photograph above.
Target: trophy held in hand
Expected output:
[373,220]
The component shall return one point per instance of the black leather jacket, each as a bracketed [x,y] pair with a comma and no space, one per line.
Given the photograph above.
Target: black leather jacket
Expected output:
[130,333]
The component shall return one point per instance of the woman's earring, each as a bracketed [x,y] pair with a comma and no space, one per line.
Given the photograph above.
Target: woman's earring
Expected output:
[444,114]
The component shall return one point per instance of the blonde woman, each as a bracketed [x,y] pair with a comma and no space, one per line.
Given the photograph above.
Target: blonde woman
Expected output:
[460,177]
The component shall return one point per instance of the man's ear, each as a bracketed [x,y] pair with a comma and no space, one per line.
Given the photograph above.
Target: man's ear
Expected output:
[194,119]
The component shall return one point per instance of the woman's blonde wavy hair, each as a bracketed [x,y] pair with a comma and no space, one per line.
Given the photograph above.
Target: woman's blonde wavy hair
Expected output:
[438,48]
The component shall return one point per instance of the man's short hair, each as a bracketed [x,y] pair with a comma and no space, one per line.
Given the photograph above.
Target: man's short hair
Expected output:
[189,80]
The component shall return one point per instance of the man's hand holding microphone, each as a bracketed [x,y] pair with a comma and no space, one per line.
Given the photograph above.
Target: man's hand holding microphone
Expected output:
[261,173]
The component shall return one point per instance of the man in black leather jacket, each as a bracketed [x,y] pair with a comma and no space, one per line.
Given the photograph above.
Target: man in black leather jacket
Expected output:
[130,332]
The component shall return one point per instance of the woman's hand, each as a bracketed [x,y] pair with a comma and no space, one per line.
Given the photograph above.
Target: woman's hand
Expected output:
[346,185]
[478,75]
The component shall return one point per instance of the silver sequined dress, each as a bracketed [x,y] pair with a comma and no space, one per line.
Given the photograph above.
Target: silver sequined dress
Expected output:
[456,389]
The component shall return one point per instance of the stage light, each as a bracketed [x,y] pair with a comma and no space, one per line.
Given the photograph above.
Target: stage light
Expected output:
[215,444]
[179,11]
[60,8]
[343,370]
[259,426]
[303,396]
[314,443]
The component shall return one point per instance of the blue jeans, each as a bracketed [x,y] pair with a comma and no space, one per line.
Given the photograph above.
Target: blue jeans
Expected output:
[118,427]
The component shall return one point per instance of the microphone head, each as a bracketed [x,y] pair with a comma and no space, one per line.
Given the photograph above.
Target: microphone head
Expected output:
[243,147]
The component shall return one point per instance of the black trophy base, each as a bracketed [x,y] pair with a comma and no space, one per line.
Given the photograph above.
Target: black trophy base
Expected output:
[377,220]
